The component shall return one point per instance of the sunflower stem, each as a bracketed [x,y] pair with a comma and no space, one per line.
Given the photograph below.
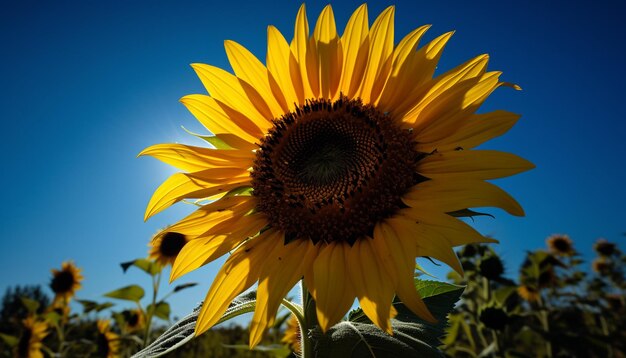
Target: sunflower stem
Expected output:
[156,281]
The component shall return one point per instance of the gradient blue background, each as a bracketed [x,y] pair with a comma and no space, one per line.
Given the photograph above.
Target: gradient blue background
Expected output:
[86,85]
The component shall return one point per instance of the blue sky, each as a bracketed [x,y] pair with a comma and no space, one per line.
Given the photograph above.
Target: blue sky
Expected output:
[86,85]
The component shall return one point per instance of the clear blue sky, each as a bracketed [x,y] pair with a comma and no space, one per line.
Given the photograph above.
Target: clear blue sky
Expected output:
[86,85]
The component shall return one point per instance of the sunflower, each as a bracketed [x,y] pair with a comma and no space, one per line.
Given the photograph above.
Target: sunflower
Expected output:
[134,320]
[602,266]
[29,345]
[65,282]
[528,293]
[560,245]
[292,335]
[338,162]
[605,248]
[108,342]
[165,247]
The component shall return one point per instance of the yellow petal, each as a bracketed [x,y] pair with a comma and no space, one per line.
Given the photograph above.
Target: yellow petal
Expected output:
[355,44]
[282,63]
[447,92]
[251,70]
[371,283]
[447,196]
[193,159]
[438,121]
[333,291]
[235,93]
[204,249]
[475,131]
[400,268]
[380,56]
[219,118]
[201,220]
[472,164]
[237,274]
[184,186]
[405,69]
[299,46]
[329,52]
[283,268]
[454,230]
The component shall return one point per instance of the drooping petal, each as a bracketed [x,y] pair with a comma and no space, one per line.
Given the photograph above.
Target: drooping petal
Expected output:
[398,258]
[282,269]
[239,272]
[372,284]
[333,292]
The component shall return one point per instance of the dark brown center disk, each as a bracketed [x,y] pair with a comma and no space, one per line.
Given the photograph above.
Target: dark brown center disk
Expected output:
[172,243]
[331,170]
[62,282]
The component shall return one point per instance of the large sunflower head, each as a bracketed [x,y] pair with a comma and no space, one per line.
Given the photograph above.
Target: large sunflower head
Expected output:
[165,246]
[108,342]
[66,281]
[340,160]
[30,343]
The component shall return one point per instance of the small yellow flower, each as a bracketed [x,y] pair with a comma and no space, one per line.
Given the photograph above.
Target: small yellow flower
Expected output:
[65,282]
[108,342]
[602,266]
[528,293]
[292,335]
[339,161]
[30,343]
[165,246]
[560,245]
[134,320]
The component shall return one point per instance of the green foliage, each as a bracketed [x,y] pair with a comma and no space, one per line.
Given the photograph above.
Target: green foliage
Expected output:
[130,293]
[557,309]
[150,267]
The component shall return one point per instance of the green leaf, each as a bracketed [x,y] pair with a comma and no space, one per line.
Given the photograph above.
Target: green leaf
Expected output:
[129,293]
[11,341]
[30,304]
[150,267]
[274,350]
[427,288]
[53,317]
[184,286]
[89,306]
[161,311]
[413,337]
[183,330]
